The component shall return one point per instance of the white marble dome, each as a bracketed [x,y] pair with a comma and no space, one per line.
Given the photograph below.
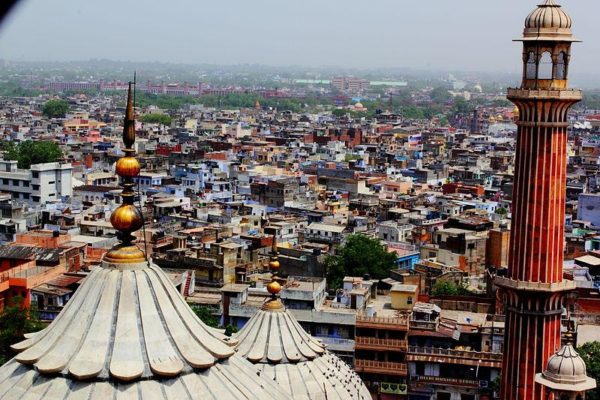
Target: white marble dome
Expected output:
[548,16]
[566,371]
[128,333]
[284,352]
[548,22]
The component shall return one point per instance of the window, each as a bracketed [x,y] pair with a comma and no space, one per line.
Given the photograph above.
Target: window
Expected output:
[545,70]
[25,184]
[531,66]
[5,181]
[26,196]
[35,174]
[35,187]
[561,66]
[51,183]
[409,300]
[15,182]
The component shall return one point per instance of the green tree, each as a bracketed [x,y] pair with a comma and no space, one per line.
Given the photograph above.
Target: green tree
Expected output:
[358,256]
[590,353]
[447,288]
[205,314]
[461,106]
[339,112]
[55,108]
[28,153]
[230,330]
[440,95]
[501,211]
[163,119]
[15,321]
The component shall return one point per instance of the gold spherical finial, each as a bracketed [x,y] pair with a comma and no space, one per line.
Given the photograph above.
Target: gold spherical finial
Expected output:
[274,288]
[127,218]
[274,265]
[128,167]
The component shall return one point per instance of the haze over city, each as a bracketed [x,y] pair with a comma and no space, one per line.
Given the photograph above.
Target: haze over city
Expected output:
[437,34]
[260,199]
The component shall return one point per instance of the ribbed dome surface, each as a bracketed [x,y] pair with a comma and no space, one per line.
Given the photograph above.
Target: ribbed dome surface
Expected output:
[548,16]
[127,331]
[566,372]
[567,366]
[548,22]
[284,352]
[126,324]
[276,336]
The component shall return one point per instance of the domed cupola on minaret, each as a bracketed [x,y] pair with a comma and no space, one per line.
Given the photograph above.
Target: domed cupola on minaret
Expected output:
[547,40]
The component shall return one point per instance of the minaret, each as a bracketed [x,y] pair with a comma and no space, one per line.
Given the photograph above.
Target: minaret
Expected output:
[534,289]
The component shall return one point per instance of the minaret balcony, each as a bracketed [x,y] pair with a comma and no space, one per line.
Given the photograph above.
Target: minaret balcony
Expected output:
[545,94]
[552,287]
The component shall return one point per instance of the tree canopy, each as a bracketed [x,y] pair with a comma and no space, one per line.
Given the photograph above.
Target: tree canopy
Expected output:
[590,353]
[205,314]
[163,119]
[446,288]
[28,153]
[360,255]
[15,321]
[55,108]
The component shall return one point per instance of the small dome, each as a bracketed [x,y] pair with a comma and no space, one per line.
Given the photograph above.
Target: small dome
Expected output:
[566,370]
[284,352]
[548,16]
[358,105]
[548,22]
[567,364]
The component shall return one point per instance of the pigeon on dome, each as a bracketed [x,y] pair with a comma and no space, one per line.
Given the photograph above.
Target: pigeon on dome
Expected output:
[128,332]
[284,352]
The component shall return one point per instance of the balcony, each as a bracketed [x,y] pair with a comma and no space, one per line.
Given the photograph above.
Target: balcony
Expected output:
[337,344]
[399,323]
[424,325]
[453,356]
[381,367]
[470,383]
[369,343]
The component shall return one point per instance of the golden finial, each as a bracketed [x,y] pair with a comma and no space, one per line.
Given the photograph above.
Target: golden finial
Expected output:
[274,287]
[274,262]
[127,218]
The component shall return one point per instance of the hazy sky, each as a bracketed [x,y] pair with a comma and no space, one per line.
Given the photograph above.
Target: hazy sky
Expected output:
[436,34]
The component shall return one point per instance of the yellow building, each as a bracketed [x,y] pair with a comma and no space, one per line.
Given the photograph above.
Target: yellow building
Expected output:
[404,297]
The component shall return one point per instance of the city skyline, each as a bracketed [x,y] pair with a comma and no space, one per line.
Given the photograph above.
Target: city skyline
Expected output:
[464,35]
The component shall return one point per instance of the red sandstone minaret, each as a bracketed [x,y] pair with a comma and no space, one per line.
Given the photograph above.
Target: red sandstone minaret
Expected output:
[534,289]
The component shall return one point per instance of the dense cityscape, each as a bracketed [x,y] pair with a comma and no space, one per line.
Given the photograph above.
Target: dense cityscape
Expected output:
[195,231]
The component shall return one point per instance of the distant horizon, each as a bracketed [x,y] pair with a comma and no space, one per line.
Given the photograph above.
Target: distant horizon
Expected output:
[460,36]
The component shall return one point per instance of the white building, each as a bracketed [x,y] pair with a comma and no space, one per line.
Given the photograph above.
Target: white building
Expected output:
[42,183]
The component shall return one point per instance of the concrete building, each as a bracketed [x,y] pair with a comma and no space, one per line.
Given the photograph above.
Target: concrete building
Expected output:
[42,183]
[589,209]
